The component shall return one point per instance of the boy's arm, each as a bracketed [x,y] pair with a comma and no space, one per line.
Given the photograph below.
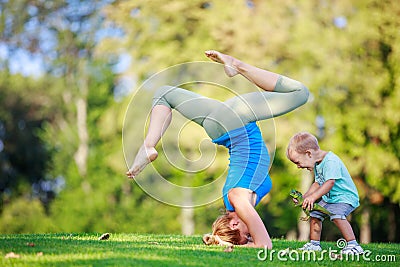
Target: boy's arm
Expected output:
[314,187]
[311,197]
[311,190]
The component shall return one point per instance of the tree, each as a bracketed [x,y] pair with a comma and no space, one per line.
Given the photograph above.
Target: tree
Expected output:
[26,108]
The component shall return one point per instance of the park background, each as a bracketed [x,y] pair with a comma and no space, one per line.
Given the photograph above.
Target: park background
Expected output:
[68,70]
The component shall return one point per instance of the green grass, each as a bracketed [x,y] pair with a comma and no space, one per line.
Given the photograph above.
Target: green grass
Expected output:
[165,250]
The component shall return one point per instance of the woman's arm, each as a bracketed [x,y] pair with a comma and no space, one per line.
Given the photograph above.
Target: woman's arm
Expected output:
[241,201]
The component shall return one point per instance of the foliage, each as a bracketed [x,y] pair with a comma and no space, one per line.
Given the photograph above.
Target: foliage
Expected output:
[25,109]
[16,215]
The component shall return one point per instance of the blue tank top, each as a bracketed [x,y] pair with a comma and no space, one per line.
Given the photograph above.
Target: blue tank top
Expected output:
[248,162]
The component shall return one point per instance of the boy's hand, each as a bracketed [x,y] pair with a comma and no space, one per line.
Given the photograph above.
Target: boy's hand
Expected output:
[308,203]
[295,201]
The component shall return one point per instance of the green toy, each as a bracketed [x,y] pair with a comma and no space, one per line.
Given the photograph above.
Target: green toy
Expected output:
[299,196]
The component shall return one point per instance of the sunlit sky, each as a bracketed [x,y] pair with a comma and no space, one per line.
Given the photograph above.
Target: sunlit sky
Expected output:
[22,62]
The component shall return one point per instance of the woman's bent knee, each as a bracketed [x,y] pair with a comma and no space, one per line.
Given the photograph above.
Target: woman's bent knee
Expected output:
[159,95]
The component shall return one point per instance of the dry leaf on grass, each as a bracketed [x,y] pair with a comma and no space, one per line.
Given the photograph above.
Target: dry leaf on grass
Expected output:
[104,236]
[12,255]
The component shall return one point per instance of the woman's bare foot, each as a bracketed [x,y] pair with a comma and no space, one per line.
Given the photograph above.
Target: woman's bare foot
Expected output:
[144,156]
[228,61]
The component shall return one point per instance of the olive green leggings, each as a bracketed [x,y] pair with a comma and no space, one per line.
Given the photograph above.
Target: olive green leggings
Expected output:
[218,117]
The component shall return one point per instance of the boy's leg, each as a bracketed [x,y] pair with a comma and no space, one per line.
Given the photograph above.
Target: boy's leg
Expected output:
[315,232]
[315,235]
[339,213]
[315,229]
[345,228]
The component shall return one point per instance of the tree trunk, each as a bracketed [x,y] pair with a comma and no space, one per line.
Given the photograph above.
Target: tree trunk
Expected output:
[392,223]
[187,221]
[303,227]
[365,228]
[187,214]
[81,154]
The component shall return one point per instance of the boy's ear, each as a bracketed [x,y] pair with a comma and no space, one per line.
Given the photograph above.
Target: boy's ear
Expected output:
[309,153]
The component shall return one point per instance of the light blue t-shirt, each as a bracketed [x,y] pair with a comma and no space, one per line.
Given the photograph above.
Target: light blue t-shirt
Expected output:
[344,189]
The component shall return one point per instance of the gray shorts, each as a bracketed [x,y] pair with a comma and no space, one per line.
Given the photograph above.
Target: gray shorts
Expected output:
[339,210]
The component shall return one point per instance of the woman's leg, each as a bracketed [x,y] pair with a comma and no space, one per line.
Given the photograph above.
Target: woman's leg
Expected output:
[281,95]
[160,119]
[193,106]
[287,96]
[264,79]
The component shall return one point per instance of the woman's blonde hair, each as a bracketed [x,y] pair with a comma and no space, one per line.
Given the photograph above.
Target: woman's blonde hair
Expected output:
[301,142]
[222,234]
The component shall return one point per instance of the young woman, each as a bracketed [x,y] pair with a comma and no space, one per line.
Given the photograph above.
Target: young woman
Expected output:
[231,124]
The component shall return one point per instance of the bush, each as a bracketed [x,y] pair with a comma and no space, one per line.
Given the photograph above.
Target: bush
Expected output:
[25,216]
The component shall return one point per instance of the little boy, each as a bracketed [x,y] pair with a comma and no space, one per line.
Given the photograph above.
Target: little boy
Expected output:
[332,182]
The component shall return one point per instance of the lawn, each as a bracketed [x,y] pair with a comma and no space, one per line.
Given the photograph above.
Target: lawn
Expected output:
[170,250]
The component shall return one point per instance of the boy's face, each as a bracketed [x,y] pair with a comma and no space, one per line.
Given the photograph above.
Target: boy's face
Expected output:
[303,160]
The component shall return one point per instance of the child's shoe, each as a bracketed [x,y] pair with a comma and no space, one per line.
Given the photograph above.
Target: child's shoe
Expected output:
[311,247]
[353,250]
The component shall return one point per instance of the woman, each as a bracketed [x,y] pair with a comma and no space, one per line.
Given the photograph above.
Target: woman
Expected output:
[231,124]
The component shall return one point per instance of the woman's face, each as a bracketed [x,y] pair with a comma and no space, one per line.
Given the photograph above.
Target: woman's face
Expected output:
[237,223]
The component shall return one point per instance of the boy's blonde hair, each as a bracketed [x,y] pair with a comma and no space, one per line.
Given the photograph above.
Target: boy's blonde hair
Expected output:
[222,232]
[301,142]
